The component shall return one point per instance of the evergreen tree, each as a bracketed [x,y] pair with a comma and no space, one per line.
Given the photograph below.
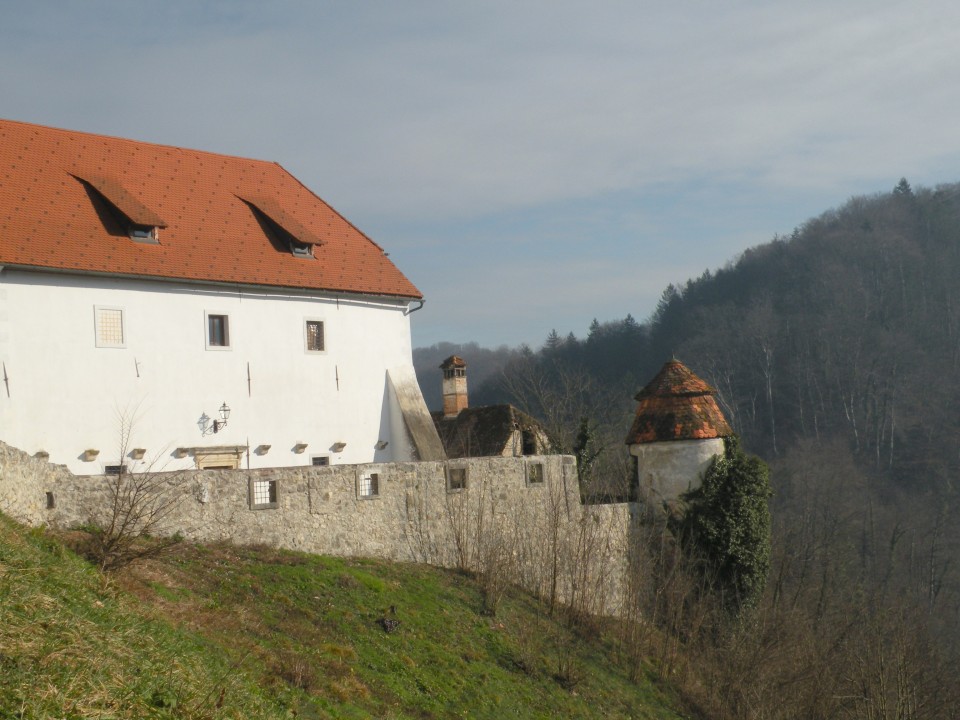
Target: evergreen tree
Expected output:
[553,340]
[727,526]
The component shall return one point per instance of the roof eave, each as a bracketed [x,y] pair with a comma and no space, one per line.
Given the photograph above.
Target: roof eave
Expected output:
[215,283]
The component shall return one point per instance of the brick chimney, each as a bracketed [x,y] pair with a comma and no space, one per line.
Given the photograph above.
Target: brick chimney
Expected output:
[454,386]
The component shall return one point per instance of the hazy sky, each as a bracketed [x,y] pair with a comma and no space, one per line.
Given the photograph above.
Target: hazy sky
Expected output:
[528,165]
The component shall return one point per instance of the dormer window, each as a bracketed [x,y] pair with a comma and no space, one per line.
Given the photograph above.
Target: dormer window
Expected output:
[284,230]
[141,223]
[145,234]
[299,249]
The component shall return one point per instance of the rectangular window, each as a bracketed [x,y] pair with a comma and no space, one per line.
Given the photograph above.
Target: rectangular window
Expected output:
[535,474]
[51,503]
[114,469]
[263,494]
[369,485]
[314,336]
[109,327]
[456,478]
[144,234]
[320,460]
[218,331]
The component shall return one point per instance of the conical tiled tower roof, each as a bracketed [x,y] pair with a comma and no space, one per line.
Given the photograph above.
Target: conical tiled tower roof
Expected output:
[677,405]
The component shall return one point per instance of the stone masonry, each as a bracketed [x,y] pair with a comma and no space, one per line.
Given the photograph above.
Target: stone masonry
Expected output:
[519,515]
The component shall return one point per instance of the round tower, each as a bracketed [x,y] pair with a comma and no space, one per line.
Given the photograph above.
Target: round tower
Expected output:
[677,431]
[454,386]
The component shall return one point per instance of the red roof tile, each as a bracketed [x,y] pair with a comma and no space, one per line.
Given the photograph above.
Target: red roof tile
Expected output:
[453,361]
[51,219]
[677,405]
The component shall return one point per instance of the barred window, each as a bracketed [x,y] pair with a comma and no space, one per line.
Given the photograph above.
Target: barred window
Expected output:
[315,339]
[263,494]
[109,327]
[369,485]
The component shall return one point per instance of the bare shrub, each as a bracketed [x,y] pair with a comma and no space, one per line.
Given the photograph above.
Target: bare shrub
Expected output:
[136,521]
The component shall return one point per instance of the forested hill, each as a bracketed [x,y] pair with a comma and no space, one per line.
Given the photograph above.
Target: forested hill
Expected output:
[848,329]
[836,354]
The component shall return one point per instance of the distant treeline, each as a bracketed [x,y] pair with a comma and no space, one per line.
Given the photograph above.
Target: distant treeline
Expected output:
[848,329]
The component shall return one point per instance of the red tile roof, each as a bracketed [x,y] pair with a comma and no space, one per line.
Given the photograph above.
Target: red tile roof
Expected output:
[53,214]
[453,361]
[677,405]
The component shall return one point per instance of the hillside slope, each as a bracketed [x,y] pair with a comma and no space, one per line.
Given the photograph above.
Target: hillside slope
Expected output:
[237,632]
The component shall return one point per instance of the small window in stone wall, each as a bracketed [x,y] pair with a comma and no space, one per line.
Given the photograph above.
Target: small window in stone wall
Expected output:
[368,486]
[534,473]
[456,478]
[263,494]
[51,503]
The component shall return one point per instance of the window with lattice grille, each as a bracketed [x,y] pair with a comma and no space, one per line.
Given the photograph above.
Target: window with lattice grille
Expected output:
[314,336]
[263,494]
[369,485]
[109,327]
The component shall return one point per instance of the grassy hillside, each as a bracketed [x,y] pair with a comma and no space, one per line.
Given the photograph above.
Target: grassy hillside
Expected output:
[237,632]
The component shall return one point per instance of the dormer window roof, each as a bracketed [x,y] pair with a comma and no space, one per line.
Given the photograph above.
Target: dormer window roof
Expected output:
[77,202]
[284,226]
[142,224]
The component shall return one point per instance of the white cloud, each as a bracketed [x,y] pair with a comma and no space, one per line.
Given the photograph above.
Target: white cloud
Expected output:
[432,114]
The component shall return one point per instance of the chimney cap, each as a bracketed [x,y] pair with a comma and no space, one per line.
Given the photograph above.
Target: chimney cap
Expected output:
[453,361]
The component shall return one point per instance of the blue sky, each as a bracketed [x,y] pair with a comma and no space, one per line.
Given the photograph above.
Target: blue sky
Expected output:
[529,165]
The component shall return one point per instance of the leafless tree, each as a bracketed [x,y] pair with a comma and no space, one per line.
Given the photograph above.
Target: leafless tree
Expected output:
[141,503]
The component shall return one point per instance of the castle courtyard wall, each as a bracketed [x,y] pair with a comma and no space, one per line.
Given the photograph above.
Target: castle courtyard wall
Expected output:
[517,515]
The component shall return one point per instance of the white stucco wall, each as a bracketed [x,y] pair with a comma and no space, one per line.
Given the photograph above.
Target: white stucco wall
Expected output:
[666,470]
[63,394]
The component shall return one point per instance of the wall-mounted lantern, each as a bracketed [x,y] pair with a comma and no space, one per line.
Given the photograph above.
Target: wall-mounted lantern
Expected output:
[206,427]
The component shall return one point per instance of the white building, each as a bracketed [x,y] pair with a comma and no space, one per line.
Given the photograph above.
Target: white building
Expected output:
[145,288]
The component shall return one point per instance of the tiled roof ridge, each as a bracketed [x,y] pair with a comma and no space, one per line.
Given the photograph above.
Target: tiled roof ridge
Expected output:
[165,146]
[332,208]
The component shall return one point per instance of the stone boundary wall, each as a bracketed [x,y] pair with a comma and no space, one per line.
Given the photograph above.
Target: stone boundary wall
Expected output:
[24,482]
[517,517]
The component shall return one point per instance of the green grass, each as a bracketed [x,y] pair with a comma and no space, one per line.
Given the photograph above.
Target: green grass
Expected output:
[269,633]
[72,645]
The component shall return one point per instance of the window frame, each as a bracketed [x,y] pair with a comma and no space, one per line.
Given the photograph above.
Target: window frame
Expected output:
[541,481]
[306,335]
[375,477]
[314,463]
[273,493]
[207,315]
[97,309]
[459,467]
